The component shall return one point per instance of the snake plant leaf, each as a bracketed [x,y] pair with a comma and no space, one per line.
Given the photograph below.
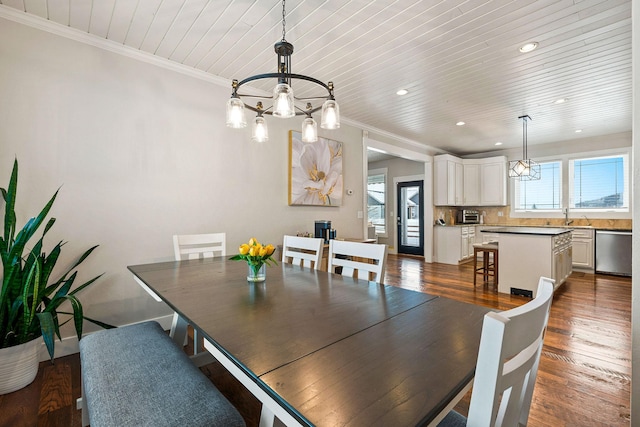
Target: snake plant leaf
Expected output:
[85,284]
[47,328]
[30,295]
[78,315]
[9,196]
[49,262]
[99,323]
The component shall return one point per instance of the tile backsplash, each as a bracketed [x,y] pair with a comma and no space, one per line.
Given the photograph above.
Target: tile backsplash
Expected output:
[491,216]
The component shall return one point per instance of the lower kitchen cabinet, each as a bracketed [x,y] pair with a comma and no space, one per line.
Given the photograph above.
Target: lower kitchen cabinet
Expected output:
[583,255]
[454,244]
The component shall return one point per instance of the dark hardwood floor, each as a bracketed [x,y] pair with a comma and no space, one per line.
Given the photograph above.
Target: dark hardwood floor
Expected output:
[585,369]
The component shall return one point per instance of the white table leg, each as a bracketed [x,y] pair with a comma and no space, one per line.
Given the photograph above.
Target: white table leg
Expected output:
[270,408]
[179,330]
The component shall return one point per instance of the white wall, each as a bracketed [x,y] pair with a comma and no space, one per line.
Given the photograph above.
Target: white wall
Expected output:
[141,153]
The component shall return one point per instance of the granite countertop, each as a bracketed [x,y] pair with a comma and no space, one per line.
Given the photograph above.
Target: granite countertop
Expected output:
[540,231]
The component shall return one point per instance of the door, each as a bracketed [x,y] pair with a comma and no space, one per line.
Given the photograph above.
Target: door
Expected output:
[410,218]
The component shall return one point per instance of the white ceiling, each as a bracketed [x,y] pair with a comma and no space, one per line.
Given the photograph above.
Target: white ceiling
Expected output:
[458,59]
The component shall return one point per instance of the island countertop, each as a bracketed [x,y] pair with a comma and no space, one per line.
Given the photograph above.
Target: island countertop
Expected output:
[540,231]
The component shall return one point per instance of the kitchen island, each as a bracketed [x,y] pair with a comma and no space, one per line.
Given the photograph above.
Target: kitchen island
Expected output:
[526,253]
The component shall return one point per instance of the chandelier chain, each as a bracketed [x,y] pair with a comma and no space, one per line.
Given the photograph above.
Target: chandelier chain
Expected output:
[283,21]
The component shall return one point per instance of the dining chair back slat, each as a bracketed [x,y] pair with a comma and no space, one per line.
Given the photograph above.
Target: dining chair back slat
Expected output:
[302,251]
[352,257]
[195,246]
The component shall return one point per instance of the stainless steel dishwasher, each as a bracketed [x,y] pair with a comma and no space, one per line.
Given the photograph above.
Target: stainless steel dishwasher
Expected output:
[613,252]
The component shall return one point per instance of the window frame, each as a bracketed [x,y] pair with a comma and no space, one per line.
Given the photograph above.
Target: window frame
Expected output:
[375,172]
[516,184]
[626,176]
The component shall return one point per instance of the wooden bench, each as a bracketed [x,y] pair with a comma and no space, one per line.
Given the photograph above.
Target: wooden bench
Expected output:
[137,376]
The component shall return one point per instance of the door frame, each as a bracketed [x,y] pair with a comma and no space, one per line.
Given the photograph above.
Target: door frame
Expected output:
[417,155]
[408,178]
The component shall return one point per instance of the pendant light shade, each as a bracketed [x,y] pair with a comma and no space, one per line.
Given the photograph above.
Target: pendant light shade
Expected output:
[260,131]
[524,169]
[235,114]
[330,115]
[309,130]
[283,102]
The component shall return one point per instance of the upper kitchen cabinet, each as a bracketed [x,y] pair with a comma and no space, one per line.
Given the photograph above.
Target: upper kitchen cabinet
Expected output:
[470,182]
[493,181]
[471,190]
[449,181]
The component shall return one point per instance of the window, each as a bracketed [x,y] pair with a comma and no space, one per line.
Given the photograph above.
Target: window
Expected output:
[543,194]
[599,183]
[376,199]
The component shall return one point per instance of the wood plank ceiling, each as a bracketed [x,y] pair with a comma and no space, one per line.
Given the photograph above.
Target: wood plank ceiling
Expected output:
[459,60]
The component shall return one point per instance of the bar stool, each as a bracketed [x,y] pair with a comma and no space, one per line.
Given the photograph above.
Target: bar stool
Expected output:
[489,266]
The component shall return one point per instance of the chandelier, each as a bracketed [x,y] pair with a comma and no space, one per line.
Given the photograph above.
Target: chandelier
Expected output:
[525,169]
[283,102]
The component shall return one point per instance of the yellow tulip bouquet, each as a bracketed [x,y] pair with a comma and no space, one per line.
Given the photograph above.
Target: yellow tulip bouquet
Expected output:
[257,256]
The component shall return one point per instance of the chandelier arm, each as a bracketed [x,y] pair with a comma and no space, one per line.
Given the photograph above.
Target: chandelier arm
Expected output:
[266,111]
[288,76]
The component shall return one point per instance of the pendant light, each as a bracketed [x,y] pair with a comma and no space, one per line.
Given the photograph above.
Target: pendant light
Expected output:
[524,169]
[283,100]
[260,131]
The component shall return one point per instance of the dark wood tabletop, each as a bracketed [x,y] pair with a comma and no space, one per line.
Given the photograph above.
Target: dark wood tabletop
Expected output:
[337,351]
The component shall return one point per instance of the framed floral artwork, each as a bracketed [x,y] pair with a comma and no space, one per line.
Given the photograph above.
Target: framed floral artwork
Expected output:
[315,171]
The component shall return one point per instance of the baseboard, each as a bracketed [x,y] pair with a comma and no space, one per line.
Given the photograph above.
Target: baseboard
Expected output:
[69,345]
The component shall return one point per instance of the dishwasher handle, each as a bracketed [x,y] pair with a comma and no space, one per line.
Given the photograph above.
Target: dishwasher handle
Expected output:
[618,233]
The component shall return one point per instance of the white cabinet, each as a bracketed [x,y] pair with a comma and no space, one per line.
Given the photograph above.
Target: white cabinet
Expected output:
[493,182]
[453,244]
[583,257]
[470,182]
[449,185]
[562,258]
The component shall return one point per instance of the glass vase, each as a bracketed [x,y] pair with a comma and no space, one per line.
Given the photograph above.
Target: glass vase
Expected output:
[256,273]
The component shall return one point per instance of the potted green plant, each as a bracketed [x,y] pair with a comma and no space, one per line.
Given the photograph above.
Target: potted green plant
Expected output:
[30,301]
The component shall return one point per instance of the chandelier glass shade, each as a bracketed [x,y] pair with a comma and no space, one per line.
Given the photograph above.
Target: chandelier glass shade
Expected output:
[524,169]
[283,102]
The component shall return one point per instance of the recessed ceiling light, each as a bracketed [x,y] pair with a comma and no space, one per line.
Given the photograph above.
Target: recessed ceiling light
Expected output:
[528,47]
[560,101]
[498,143]
[402,92]
[578,130]
[460,124]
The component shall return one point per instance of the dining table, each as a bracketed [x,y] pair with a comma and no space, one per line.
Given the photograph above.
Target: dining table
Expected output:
[321,349]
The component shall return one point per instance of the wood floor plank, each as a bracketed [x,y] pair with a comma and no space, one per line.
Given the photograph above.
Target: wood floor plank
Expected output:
[585,368]
[56,387]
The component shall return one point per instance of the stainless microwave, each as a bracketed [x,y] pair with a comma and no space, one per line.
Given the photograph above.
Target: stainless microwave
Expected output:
[466,216]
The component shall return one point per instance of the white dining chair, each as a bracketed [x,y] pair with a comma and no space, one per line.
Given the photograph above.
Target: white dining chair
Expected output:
[508,358]
[196,246]
[302,251]
[367,260]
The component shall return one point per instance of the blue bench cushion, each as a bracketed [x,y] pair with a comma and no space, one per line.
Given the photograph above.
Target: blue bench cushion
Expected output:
[137,376]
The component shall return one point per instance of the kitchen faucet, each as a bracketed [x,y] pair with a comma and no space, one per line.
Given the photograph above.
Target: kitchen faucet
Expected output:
[566,217]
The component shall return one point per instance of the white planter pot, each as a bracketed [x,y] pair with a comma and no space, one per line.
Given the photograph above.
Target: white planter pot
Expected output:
[19,365]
